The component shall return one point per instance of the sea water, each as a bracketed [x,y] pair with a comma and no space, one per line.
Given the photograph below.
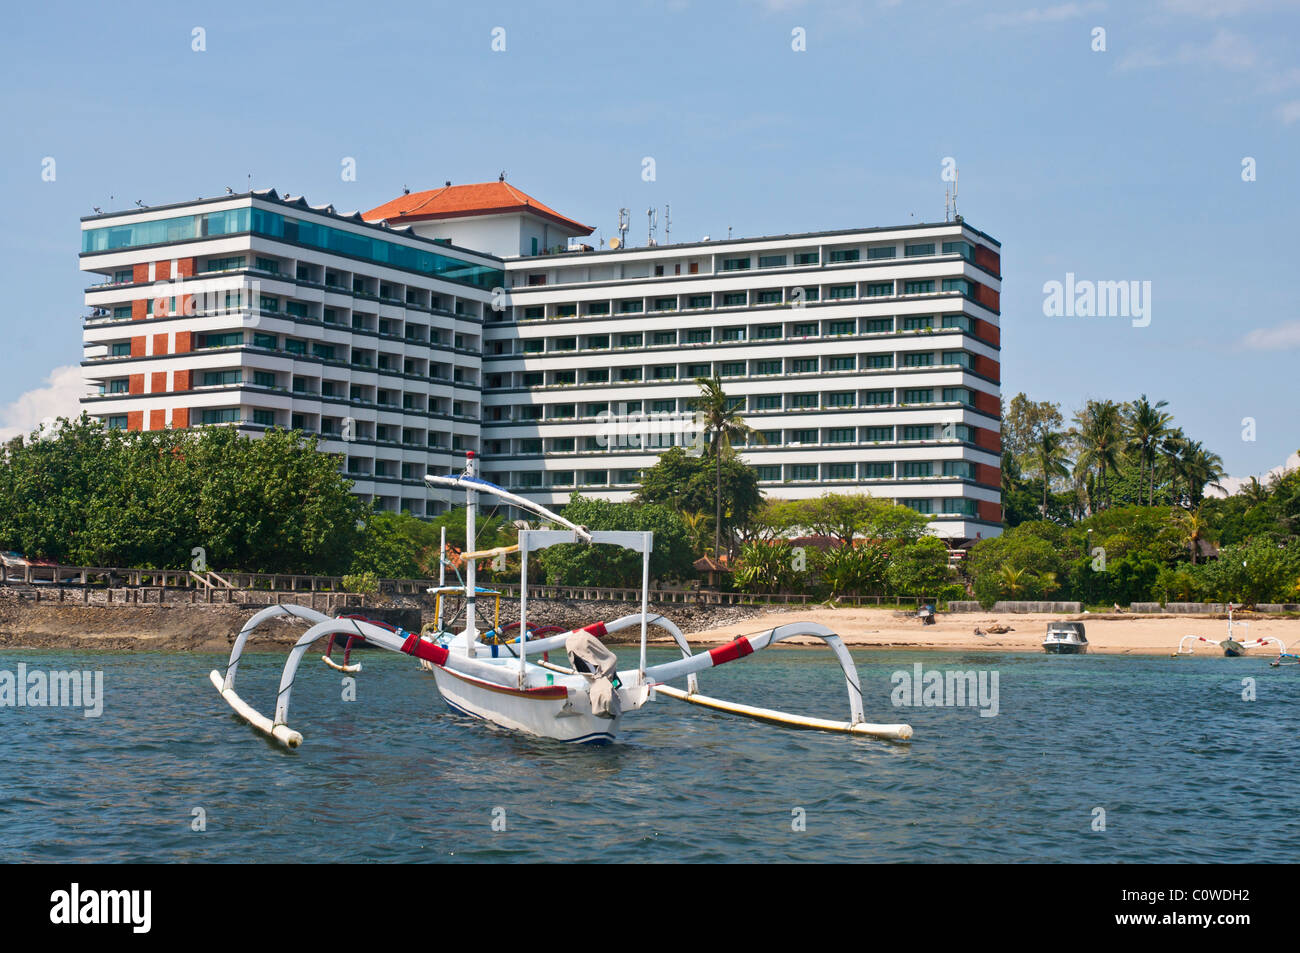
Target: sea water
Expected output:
[1097,758]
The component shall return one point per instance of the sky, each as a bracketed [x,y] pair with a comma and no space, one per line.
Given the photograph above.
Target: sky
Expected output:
[1149,142]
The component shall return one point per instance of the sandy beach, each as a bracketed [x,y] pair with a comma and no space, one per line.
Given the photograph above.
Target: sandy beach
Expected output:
[1121,634]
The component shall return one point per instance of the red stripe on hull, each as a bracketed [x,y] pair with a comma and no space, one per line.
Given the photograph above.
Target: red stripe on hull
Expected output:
[414,645]
[539,694]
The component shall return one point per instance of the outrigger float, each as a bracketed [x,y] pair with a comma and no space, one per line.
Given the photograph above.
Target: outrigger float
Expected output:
[1233,647]
[510,680]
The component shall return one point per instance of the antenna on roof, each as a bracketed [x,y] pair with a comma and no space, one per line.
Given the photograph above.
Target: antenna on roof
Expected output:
[502,176]
[229,190]
[622,225]
[956,177]
[97,209]
[140,203]
[728,231]
[652,219]
[406,190]
[668,224]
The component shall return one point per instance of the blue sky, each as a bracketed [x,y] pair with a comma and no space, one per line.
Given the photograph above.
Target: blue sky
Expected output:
[1122,164]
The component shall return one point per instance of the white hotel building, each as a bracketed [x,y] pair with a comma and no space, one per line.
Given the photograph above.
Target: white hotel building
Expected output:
[462,318]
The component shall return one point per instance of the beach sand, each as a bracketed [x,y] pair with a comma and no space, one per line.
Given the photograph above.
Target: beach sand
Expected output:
[1121,634]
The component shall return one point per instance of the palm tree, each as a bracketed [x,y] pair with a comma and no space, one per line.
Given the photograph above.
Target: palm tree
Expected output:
[1254,493]
[1013,580]
[697,530]
[1147,425]
[1193,527]
[1099,436]
[1052,460]
[721,422]
[1200,468]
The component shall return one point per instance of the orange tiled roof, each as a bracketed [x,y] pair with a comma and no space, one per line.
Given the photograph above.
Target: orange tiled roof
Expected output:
[458,201]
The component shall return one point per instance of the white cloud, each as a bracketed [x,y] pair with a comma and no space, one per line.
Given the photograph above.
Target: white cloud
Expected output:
[1231,485]
[1228,50]
[1289,112]
[60,397]
[1281,337]
[1214,9]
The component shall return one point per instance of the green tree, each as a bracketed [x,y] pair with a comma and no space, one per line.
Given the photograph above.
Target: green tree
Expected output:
[919,568]
[599,565]
[723,424]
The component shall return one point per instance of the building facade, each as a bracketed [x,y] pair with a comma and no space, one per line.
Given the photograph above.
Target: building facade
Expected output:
[464,318]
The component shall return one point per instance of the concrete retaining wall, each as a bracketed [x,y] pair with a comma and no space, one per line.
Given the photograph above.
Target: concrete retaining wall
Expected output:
[1064,608]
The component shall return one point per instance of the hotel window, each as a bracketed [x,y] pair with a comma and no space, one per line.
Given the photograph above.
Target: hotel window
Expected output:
[230,339]
[297,309]
[842,327]
[530,413]
[595,477]
[845,254]
[324,351]
[629,340]
[566,377]
[562,478]
[918,395]
[915,469]
[225,415]
[563,411]
[767,367]
[561,310]
[960,321]
[699,370]
[841,435]
[735,264]
[629,374]
[735,299]
[765,438]
[804,401]
[534,345]
[564,344]
[769,297]
[767,402]
[804,437]
[263,379]
[806,330]
[918,360]
[921,506]
[119,386]
[917,324]
[882,251]
[121,349]
[665,372]
[699,301]
[877,398]
[267,264]
[919,250]
[803,473]
[840,471]
[877,362]
[767,474]
[663,407]
[878,435]
[918,287]
[771,261]
[533,379]
[959,394]
[699,336]
[224,264]
[596,375]
[839,292]
[631,307]
[628,477]
[960,358]
[962,507]
[848,363]
[803,365]
[127,276]
[733,369]
[664,337]
[767,332]
[959,248]
[268,303]
[880,289]
[295,347]
[598,342]
[529,479]
[122,312]
[117,422]
[598,307]
[591,410]
[808,294]
[958,284]
[959,468]
[877,471]
[534,312]
[918,432]
[665,304]
[877,325]
[733,334]
[264,418]
[806,258]
[562,444]
[841,398]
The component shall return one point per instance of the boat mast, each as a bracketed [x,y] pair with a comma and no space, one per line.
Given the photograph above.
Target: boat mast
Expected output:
[471,565]
[442,575]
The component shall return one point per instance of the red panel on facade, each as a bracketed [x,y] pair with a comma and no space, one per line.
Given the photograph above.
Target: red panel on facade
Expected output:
[160,344]
[987,475]
[180,416]
[140,273]
[990,511]
[988,258]
[158,383]
[181,379]
[185,304]
[162,271]
[986,296]
[157,420]
[184,342]
[989,333]
[135,420]
[185,267]
[988,439]
[987,403]
[137,346]
[138,310]
[988,367]
[135,383]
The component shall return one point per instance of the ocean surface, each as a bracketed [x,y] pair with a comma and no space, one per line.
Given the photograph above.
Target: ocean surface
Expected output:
[1184,769]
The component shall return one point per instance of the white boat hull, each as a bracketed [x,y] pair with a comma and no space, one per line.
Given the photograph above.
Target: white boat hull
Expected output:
[551,711]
